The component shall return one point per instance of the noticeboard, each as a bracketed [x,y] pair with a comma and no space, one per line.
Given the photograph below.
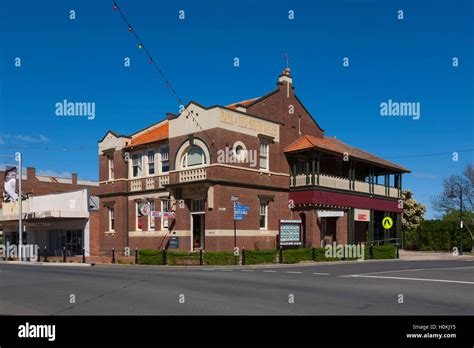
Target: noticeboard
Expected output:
[290,232]
[174,243]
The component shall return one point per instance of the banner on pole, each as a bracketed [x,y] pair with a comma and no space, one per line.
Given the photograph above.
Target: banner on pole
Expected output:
[10,184]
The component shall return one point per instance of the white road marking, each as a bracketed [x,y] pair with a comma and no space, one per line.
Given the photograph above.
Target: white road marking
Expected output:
[405,270]
[419,279]
[208,269]
[294,272]
[270,271]
[247,270]
[321,273]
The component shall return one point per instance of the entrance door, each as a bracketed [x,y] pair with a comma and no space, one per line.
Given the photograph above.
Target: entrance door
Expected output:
[328,230]
[198,231]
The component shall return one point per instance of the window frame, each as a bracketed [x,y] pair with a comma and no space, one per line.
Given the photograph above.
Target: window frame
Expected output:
[266,155]
[164,160]
[265,205]
[151,219]
[137,217]
[111,167]
[165,207]
[152,151]
[111,219]
[140,166]
[184,159]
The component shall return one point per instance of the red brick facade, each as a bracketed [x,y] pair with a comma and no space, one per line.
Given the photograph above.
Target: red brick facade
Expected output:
[278,120]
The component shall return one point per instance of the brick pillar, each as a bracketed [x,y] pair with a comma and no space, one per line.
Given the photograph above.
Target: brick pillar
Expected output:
[342,229]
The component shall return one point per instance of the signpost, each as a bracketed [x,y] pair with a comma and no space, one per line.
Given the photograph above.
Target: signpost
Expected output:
[239,212]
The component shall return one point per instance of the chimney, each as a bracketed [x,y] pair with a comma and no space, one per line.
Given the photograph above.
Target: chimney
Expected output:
[285,77]
[30,173]
[74,178]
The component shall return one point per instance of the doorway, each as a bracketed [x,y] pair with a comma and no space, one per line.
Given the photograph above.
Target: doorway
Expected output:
[328,230]
[198,235]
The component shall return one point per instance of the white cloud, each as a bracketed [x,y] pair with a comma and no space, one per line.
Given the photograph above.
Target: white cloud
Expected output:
[22,138]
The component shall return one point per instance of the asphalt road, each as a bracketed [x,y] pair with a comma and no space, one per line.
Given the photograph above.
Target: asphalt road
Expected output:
[360,288]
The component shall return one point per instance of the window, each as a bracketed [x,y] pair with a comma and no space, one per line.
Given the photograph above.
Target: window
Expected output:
[151,162]
[263,215]
[165,164]
[264,156]
[194,157]
[136,165]
[165,208]
[111,219]
[151,218]
[139,217]
[111,167]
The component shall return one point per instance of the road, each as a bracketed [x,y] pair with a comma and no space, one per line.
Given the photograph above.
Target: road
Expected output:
[359,288]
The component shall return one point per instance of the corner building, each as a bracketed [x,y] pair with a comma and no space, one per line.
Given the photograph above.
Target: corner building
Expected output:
[267,152]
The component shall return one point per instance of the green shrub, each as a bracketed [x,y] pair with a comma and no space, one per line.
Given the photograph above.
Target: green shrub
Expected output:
[253,257]
[437,235]
[182,258]
[321,255]
[380,252]
[297,255]
[150,257]
[219,258]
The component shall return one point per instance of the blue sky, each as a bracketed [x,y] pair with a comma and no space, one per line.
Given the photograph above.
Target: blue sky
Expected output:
[407,60]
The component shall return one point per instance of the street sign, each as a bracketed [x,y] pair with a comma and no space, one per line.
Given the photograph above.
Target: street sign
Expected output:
[234,198]
[387,222]
[236,251]
[238,217]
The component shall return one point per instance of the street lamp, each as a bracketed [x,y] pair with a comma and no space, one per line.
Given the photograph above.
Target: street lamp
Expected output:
[453,196]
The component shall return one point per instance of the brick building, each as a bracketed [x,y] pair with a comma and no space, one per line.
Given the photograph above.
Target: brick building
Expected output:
[53,225]
[173,184]
[37,185]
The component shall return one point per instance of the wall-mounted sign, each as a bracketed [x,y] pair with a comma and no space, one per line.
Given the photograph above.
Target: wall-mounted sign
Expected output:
[174,243]
[361,215]
[290,232]
[330,213]
[144,209]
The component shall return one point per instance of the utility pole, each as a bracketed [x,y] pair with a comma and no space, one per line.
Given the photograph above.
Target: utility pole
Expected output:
[461,224]
[20,205]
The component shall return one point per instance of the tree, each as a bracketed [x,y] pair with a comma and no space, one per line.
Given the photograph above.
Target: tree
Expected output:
[413,212]
[443,204]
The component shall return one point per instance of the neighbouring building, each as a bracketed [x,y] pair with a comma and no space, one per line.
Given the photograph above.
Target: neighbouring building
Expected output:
[36,185]
[68,220]
[174,184]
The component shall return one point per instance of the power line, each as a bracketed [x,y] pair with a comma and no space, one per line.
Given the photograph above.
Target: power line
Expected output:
[152,61]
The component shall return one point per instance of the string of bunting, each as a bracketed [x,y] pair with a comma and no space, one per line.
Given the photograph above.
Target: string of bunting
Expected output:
[152,62]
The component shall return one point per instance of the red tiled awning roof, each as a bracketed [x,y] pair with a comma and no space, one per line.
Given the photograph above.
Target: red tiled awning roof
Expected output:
[308,142]
[151,136]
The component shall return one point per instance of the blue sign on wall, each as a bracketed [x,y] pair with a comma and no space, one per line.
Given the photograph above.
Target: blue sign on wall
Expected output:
[174,242]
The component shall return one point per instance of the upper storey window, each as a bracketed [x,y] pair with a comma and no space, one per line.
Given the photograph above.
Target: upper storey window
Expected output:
[194,156]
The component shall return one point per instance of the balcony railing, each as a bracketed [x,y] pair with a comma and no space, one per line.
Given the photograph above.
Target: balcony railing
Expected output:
[149,183]
[192,175]
[341,183]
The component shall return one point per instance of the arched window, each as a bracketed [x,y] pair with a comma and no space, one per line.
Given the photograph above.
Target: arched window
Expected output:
[194,156]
